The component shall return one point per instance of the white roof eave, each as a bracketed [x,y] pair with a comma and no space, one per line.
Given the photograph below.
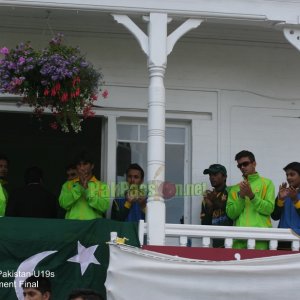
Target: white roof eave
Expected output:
[277,11]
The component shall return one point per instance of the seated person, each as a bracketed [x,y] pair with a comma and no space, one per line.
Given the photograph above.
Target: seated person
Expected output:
[85,197]
[37,288]
[33,200]
[132,206]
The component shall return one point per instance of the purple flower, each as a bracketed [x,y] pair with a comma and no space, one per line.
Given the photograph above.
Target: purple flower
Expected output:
[21,61]
[29,67]
[4,51]
[11,66]
[84,64]
[57,39]
[54,77]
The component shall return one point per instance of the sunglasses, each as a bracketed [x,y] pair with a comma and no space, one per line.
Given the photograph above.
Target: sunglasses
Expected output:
[244,164]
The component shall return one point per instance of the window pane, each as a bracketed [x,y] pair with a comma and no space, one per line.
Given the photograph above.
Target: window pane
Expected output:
[136,152]
[175,174]
[128,153]
[127,132]
[175,135]
[143,133]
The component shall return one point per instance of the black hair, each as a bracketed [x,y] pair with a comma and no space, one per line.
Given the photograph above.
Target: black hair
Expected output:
[135,167]
[295,166]
[4,157]
[85,294]
[70,166]
[40,283]
[84,157]
[33,175]
[245,153]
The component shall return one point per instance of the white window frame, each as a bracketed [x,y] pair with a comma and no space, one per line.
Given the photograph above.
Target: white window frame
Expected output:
[187,153]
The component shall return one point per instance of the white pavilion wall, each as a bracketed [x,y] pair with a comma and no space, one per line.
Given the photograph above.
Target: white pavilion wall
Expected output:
[225,90]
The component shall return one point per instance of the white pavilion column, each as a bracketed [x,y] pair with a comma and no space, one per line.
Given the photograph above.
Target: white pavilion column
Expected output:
[157,60]
[157,46]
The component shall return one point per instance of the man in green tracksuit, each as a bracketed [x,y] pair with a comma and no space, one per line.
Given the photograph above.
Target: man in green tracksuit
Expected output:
[3,201]
[85,197]
[251,202]
[3,182]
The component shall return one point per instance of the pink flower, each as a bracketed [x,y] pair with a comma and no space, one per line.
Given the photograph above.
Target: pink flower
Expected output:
[46,92]
[75,81]
[64,97]
[57,86]
[77,92]
[94,97]
[17,81]
[54,125]
[4,51]
[53,91]
[105,94]
[88,113]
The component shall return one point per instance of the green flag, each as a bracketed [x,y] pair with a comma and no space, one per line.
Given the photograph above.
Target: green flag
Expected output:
[72,254]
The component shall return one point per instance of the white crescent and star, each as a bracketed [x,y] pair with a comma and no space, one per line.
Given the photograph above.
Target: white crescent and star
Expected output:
[85,257]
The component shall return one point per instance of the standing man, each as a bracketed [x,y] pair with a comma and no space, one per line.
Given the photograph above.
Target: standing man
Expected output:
[250,202]
[71,171]
[213,210]
[33,200]
[132,206]
[3,183]
[85,197]
[287,207]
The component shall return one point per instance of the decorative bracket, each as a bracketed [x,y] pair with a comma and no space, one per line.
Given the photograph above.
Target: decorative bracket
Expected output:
[141,37]
[180,31]
[293,36]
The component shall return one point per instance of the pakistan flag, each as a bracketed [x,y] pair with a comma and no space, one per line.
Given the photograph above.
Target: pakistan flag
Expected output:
[72,254]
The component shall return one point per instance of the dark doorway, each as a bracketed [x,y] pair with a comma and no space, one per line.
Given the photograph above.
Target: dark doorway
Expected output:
[28,142]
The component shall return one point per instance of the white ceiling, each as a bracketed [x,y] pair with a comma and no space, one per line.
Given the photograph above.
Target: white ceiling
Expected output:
[94,22]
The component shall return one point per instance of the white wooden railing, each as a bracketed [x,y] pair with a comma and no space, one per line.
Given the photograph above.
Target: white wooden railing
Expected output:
[229,233]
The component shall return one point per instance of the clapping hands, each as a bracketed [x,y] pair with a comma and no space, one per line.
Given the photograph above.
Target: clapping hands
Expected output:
[245,190]
[285,191]
[210,198]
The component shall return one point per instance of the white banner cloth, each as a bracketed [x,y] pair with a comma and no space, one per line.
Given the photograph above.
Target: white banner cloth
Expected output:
[136,274]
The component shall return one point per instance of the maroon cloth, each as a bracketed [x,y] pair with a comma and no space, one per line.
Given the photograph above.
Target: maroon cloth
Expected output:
[217,254]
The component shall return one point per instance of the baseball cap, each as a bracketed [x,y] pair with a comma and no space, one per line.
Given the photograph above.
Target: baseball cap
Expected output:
[215,168]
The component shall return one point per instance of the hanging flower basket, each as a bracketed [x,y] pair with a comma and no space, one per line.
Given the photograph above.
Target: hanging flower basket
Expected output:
[58,78]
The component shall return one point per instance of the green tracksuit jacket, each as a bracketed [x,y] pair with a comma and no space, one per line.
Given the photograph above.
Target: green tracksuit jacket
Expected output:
[84,204]
[255,212]
[3,200]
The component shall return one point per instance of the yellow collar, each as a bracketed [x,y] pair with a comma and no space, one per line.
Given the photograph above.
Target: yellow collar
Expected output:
[93,179]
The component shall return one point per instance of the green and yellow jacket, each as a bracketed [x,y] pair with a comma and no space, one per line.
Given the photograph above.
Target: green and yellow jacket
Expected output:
[3,198]
[84,204]
[252,213]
